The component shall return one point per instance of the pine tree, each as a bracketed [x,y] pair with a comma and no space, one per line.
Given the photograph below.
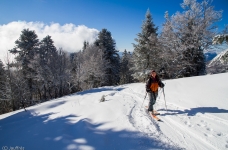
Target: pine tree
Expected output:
[25,50]
[146,51]
[44,63]
[5,97]
[47,50]
[107,44]
[26,47]
[3,84]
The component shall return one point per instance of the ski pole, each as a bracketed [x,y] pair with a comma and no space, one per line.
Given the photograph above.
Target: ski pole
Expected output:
[164,98]
[143,100]
[159,93]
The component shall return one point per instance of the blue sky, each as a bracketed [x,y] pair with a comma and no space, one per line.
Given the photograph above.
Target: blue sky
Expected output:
[123,18]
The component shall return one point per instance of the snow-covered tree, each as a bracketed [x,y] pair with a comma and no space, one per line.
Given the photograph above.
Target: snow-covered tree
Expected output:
[62,74]
[146,54]
[76,60]
[220,63]
[192,31]
[85,45]
[107,45]
[219,39]
[169,44]
[93,69]
[125,65]
[16,86]
[223,37]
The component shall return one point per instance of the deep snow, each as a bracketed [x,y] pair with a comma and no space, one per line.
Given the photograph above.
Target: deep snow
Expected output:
[196,118]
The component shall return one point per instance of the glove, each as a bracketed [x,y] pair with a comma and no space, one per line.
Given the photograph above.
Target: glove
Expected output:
[148,90]
[162,85]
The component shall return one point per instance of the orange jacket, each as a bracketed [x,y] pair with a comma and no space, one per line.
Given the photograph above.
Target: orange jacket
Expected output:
[152,84]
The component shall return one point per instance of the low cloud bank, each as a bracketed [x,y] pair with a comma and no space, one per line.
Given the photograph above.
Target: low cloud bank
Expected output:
[68,36]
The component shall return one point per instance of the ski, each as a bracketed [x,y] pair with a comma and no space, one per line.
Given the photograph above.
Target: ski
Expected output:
[153,115]
[155,112]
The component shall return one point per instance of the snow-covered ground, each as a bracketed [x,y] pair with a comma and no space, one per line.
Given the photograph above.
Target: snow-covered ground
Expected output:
[196,118]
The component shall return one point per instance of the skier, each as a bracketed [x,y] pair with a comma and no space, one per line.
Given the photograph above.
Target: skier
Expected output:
[152,85]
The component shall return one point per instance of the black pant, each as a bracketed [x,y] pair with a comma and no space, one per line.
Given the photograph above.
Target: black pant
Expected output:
[152,99]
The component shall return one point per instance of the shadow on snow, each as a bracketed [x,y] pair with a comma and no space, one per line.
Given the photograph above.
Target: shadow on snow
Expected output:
[96,90]
[37,132]
[194,111]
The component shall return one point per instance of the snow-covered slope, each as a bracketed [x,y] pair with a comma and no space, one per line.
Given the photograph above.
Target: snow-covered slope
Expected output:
[196,118]
[221,58]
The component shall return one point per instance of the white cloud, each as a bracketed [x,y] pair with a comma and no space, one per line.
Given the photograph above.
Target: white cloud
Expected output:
[69,36]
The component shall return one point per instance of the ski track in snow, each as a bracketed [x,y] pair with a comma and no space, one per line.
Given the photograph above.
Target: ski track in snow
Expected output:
[140,120]
[181,128]
[182,123]
[187,123]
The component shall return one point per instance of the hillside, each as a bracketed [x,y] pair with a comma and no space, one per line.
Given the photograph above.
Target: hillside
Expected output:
[196,118]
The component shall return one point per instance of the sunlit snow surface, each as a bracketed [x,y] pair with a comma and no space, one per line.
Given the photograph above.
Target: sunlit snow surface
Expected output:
[196,118]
